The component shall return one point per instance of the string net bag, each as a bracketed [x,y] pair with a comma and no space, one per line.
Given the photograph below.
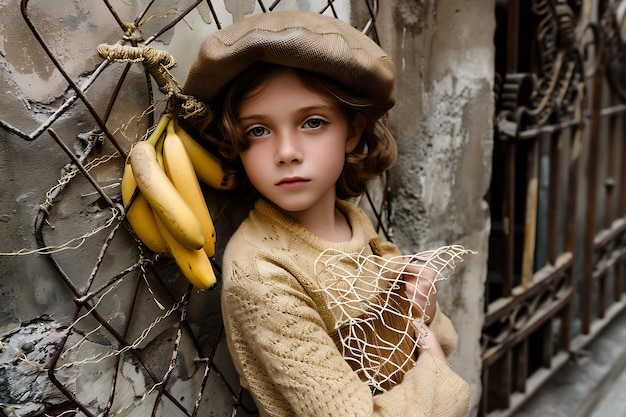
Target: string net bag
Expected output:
[377,324]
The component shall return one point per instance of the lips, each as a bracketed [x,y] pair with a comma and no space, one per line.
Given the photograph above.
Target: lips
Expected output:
[292,182]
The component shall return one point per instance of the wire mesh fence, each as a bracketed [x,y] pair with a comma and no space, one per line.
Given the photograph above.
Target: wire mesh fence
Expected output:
[139,341]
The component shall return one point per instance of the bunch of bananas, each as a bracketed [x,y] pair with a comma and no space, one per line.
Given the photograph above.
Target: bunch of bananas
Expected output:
[164,202]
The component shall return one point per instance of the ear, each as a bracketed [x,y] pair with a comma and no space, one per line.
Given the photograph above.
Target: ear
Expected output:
[355,132]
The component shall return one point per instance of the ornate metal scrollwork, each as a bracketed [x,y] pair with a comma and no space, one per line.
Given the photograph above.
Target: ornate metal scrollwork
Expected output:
[550,92]
[526,308]
[614,45]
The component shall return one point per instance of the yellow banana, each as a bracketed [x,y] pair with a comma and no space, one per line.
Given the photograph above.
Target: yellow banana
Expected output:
[158,148]
[193,263]
[159,129]
[140,215]
[165,200]
[208,167]
[180,171]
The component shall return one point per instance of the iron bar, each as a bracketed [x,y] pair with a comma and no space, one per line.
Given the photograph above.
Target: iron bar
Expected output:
[81,168]
[554,155]
[71,82]
[590,212]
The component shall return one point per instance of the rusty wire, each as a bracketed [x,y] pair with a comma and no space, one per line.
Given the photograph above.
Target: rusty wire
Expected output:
[143,272]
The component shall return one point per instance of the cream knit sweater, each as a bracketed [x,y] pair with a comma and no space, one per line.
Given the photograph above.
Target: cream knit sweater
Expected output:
[279,329]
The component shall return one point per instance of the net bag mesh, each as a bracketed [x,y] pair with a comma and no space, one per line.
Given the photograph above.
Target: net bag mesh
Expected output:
[375,319]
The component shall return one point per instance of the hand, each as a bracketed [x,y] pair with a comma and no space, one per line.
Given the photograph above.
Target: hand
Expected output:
[427,340]
[419,289]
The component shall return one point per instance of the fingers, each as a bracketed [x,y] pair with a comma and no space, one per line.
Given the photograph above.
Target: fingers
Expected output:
[427,340]
[420,290]
[419,279]
[421,271]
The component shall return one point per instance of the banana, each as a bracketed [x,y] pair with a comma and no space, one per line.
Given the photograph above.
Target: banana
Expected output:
[159,129]
[180,171]
[158,148]
[193,263]
[140,215]
[165,200]
[208,167]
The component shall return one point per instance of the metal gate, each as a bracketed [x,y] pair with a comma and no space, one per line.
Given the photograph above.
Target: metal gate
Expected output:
[558,194]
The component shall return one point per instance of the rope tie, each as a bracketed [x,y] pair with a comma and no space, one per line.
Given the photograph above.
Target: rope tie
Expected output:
[157,63]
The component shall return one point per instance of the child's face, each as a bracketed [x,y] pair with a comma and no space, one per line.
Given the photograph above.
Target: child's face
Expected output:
[298,142]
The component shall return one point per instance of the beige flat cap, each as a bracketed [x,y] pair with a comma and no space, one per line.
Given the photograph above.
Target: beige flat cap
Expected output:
[297,39]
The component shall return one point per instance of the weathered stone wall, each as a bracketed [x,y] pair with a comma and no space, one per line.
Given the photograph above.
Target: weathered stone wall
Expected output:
[444,57]
[443,121]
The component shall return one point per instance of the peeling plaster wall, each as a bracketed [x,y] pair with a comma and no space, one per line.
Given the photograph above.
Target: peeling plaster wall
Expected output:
[444,57]
[443,122]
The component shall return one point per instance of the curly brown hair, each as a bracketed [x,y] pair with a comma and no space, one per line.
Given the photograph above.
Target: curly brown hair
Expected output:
[375,153]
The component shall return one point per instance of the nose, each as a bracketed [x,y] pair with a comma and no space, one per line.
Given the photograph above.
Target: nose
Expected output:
[288,149]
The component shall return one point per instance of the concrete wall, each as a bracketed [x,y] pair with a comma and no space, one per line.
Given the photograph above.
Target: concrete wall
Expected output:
[443,121]
[444,56]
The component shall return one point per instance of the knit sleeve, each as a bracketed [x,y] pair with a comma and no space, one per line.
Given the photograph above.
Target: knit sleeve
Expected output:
[285,357]
[430,389]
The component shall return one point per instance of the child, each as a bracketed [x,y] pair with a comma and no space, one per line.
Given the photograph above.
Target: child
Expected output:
[296,99]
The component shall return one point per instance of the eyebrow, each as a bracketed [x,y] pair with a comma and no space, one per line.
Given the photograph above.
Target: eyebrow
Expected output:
[308,109]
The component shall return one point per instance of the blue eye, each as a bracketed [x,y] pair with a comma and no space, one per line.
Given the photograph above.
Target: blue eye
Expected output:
[257,131]
[314,123]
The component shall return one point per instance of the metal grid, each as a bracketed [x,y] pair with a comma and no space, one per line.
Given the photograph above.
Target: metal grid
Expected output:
[147,291]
